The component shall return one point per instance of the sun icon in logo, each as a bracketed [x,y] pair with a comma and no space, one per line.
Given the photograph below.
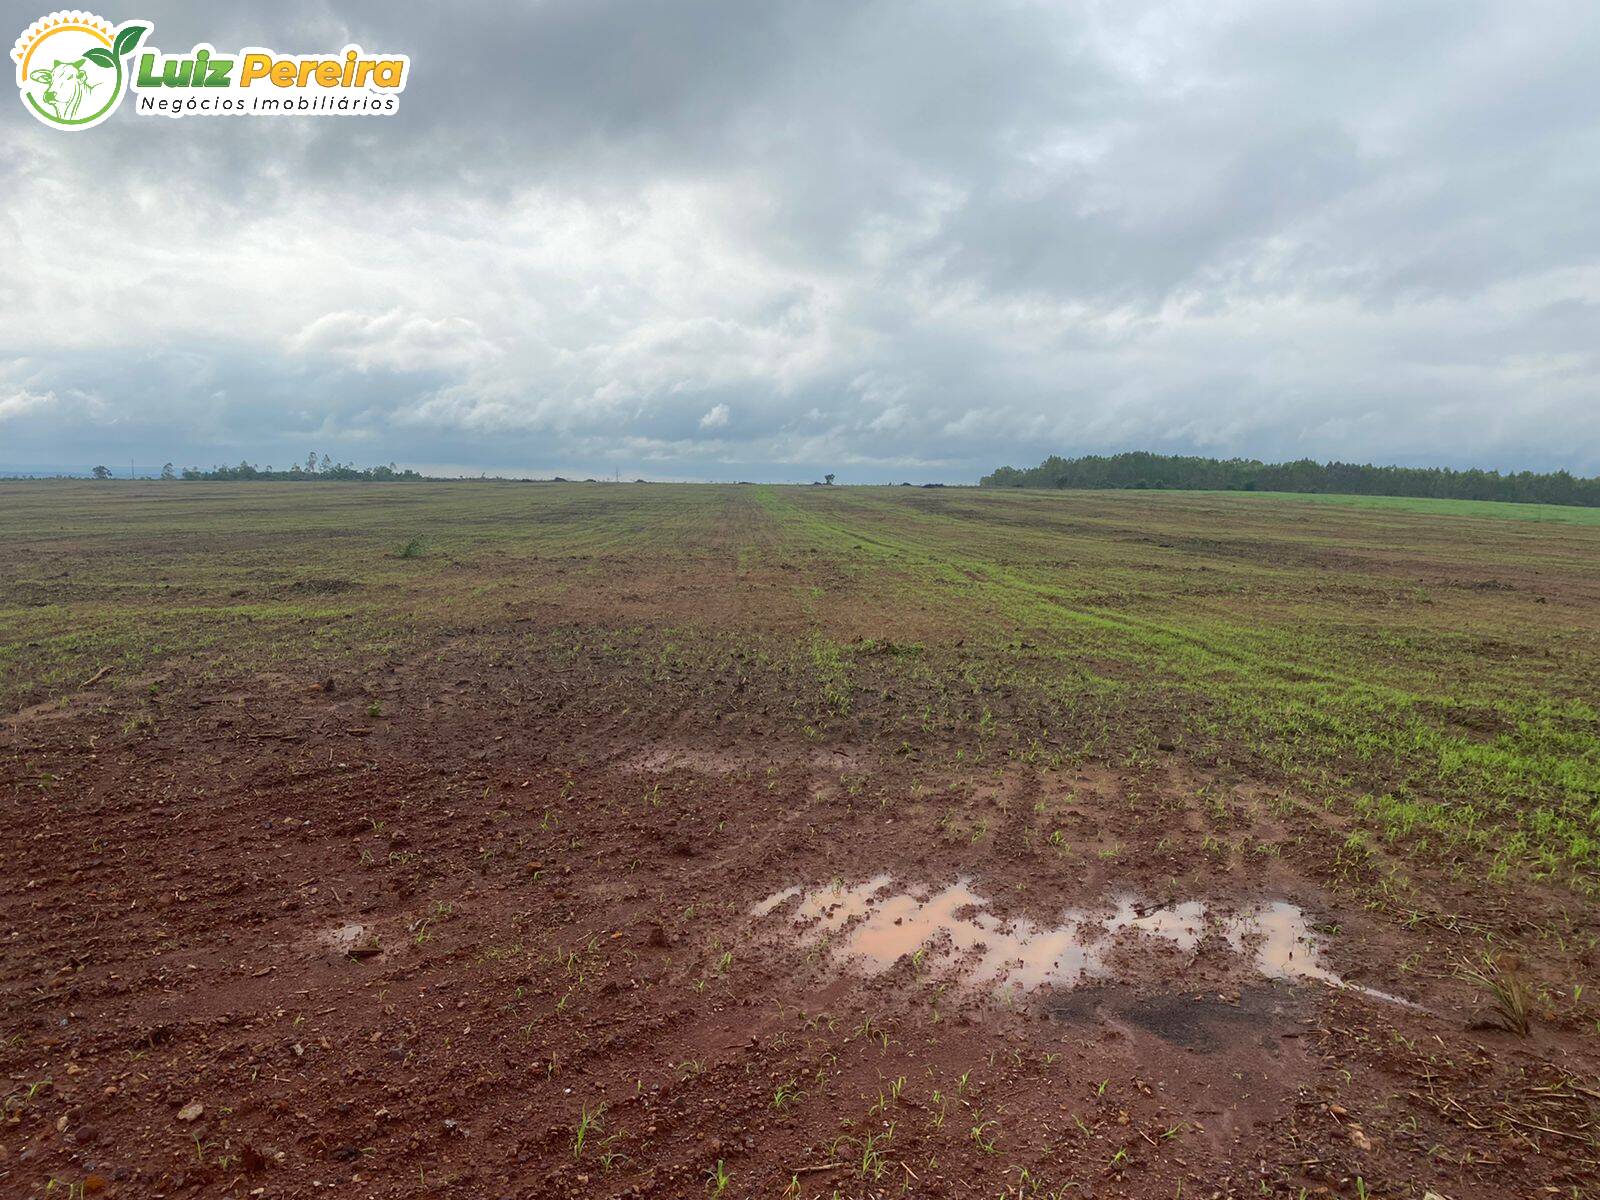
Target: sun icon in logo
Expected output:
[70,67]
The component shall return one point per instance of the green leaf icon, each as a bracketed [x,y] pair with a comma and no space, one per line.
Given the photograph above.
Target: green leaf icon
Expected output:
[128,38]
[100,57]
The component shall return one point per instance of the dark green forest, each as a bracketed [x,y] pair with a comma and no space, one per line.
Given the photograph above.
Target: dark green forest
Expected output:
[1140,469]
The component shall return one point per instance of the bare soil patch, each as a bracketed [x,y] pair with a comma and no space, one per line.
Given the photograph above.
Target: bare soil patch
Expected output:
[405,955]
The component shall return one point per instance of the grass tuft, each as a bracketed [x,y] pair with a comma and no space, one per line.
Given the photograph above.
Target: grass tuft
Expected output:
[1508,990]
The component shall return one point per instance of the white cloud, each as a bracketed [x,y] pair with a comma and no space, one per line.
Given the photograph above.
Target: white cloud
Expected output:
[1364,234]
[19,402]
[394,341]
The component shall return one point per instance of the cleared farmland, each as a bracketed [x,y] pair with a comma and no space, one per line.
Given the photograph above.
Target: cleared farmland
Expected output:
[480,839]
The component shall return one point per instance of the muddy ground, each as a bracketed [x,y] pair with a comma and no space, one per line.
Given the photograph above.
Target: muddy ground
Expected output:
[285,947]
[503,913]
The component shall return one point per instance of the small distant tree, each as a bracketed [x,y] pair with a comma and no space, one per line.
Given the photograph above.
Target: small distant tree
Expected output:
[168,473]
[311,462]
[102,472]
[828,479]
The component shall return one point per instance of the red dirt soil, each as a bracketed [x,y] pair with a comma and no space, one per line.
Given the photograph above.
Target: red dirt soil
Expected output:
[286,944]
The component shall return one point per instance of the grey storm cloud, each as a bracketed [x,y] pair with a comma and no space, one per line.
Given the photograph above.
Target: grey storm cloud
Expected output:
[894,240]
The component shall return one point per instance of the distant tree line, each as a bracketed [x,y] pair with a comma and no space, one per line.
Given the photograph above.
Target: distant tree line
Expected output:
[1140,469]
[317,469]
[336,471]
[324,468]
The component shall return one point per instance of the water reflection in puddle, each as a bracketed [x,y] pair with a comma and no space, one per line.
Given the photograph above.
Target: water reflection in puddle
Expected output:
[350,940]
[875,924]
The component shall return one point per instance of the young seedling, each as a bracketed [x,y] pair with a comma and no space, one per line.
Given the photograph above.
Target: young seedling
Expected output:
[588,1124]
[718,1179]
[981,1133]
[785,1093]
[872,1163]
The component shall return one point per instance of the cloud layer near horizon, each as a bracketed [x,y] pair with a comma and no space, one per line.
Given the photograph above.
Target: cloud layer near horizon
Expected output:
[712,239]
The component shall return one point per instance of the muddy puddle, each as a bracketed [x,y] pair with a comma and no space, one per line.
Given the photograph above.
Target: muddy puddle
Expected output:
[350,940]
[952,931]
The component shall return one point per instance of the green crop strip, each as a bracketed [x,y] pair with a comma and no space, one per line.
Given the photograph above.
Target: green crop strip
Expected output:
[1293,694]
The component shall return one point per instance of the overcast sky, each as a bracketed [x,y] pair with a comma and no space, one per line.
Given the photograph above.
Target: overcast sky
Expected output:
[754,239]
